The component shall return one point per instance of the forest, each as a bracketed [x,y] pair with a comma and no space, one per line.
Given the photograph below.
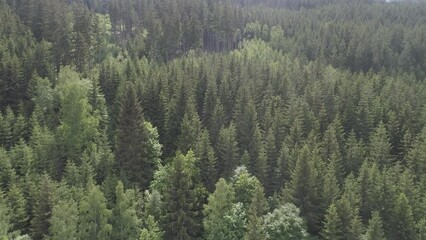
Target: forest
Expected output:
[212,119]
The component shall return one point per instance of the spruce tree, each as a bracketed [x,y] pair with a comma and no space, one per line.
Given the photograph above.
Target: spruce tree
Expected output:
[64,220]
[227,152]
[124,218]
[131,141]
[43,209]
[332,226]
[219,205]
[18,209]
[5,223]
[181,199]
[302,190]
[258,208]
[207,161]
[152,230]
[94,216]
[375,228]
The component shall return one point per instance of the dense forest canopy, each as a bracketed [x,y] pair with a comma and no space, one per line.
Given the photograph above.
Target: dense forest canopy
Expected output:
[217,119]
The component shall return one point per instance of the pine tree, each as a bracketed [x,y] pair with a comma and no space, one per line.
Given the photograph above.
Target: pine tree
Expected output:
[22,158]
[375,228]
[302,190]
[64,219]
[421,229]
[190,131]
[5,224]
[332,226]
[330,191]
[6,170]
[403,226]
[18,209]
[207,162]
[354,154]
[181,199]
[258,208]
[94,216]
[271,163]
[41,141]
[43,209]
[227,152]
[380,146]
[124,218]
[132,141]
[152,230]
[284,167]
[219,205]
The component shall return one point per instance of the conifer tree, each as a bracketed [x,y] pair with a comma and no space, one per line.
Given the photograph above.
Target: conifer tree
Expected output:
[64,219]
[380,146]
[258,208]
[332,226]
[6,170]
[132,141]
[227,152]
[219,205]
[18,209]
[94,216]
[181,198]
[302,189]
[43,209]
[207,162]
[152,230]
[4,218]
[125,222]
[375,228]
[403,225]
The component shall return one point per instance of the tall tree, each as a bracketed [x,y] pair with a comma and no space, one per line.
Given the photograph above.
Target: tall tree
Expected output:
[43,209]
[125,221]
[94,216]
[302,189]
[132,142]
[227,151]
[219,205]
[5,224]
[78,129]
[375,228]
[258,208]
[181,198]
[285,223]
[18,209]
[64,219]
[152,230]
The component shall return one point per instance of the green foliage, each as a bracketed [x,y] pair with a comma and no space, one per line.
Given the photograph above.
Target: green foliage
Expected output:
[321,101]
[302,190]
[152,231]
[125,222]
[4,218]
[64,220]
[181,198]
[375,229]
[136,142]
[18,211]
[43,209]
[93,221]
[285,223]
[218,208]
